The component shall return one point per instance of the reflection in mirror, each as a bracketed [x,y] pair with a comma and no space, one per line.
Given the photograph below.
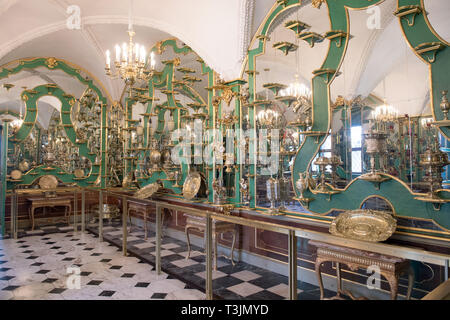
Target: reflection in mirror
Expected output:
[377,203]
[44,144]
[380,116]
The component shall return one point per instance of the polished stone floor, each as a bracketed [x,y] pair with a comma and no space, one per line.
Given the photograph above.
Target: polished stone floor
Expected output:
[241,281]
[50,266]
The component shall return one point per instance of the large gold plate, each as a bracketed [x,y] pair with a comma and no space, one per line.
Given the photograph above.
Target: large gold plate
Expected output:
[16,174]
[147,191]
[191,185]
[367,225]
[78,173]
[48,182]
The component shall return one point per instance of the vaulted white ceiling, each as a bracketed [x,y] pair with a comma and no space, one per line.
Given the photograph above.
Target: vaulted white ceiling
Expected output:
[220,31]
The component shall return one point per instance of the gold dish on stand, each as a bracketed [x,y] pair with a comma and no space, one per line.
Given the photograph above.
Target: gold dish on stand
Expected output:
[48,182]
[367,225]
[147,191]
[110,211]
[191,185]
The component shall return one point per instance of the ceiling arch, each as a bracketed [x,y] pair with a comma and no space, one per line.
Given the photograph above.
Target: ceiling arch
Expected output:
[218,31]
[209,27]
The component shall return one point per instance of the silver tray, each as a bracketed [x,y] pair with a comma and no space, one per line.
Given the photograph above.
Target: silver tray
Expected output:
[367,225]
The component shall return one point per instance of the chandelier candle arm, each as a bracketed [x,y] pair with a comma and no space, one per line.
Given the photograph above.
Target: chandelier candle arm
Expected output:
[129,61]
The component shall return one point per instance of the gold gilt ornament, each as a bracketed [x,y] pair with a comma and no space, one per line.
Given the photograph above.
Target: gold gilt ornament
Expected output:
[147,191]
[317,3]
[78,173]
[191,185]
[24,165]
[48,182]
[367,225]
[51,63]
[16,174]
[227,95]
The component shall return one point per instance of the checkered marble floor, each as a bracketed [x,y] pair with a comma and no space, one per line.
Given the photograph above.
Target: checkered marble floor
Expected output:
[35,267]
[241,281]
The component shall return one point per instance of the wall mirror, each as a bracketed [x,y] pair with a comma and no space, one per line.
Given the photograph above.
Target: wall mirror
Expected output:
[57,123]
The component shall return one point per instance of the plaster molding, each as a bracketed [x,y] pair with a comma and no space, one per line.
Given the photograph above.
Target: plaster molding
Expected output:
[246,14]
[207,55]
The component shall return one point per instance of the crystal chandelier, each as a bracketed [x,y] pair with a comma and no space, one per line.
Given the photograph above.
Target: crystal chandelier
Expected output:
[268,118]
[130,60]
[297,89]
[385,113]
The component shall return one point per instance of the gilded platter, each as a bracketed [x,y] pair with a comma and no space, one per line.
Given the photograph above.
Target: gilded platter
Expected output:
[24,166]
[146,191]
[48,182]
[367,225]
[16,174]
[191,185]
[78,173]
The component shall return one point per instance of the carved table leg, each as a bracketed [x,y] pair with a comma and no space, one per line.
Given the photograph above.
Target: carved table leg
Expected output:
[68,215]
[186,230]
[339,279]
[32,218]
[233,245]
[131,225]
[318,263]
[411,279]
[393,283]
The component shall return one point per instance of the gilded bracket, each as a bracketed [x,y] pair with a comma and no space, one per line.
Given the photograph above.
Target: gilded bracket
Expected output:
[429,50]
[408,13]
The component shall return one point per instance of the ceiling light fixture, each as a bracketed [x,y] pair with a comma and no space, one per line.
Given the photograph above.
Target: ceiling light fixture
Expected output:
[130,59]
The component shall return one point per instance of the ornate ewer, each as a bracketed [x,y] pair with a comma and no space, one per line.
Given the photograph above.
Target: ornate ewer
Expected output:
[166,158]
[155,157]
[273,194]
[244,191]
[433,161]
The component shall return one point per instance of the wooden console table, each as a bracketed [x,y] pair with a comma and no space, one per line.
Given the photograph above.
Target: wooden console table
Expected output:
[390,267]
[218,227]
[46,202]
[143,208]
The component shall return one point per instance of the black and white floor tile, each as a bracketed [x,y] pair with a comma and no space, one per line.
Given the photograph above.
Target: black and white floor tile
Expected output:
[241,281]
[36,267]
